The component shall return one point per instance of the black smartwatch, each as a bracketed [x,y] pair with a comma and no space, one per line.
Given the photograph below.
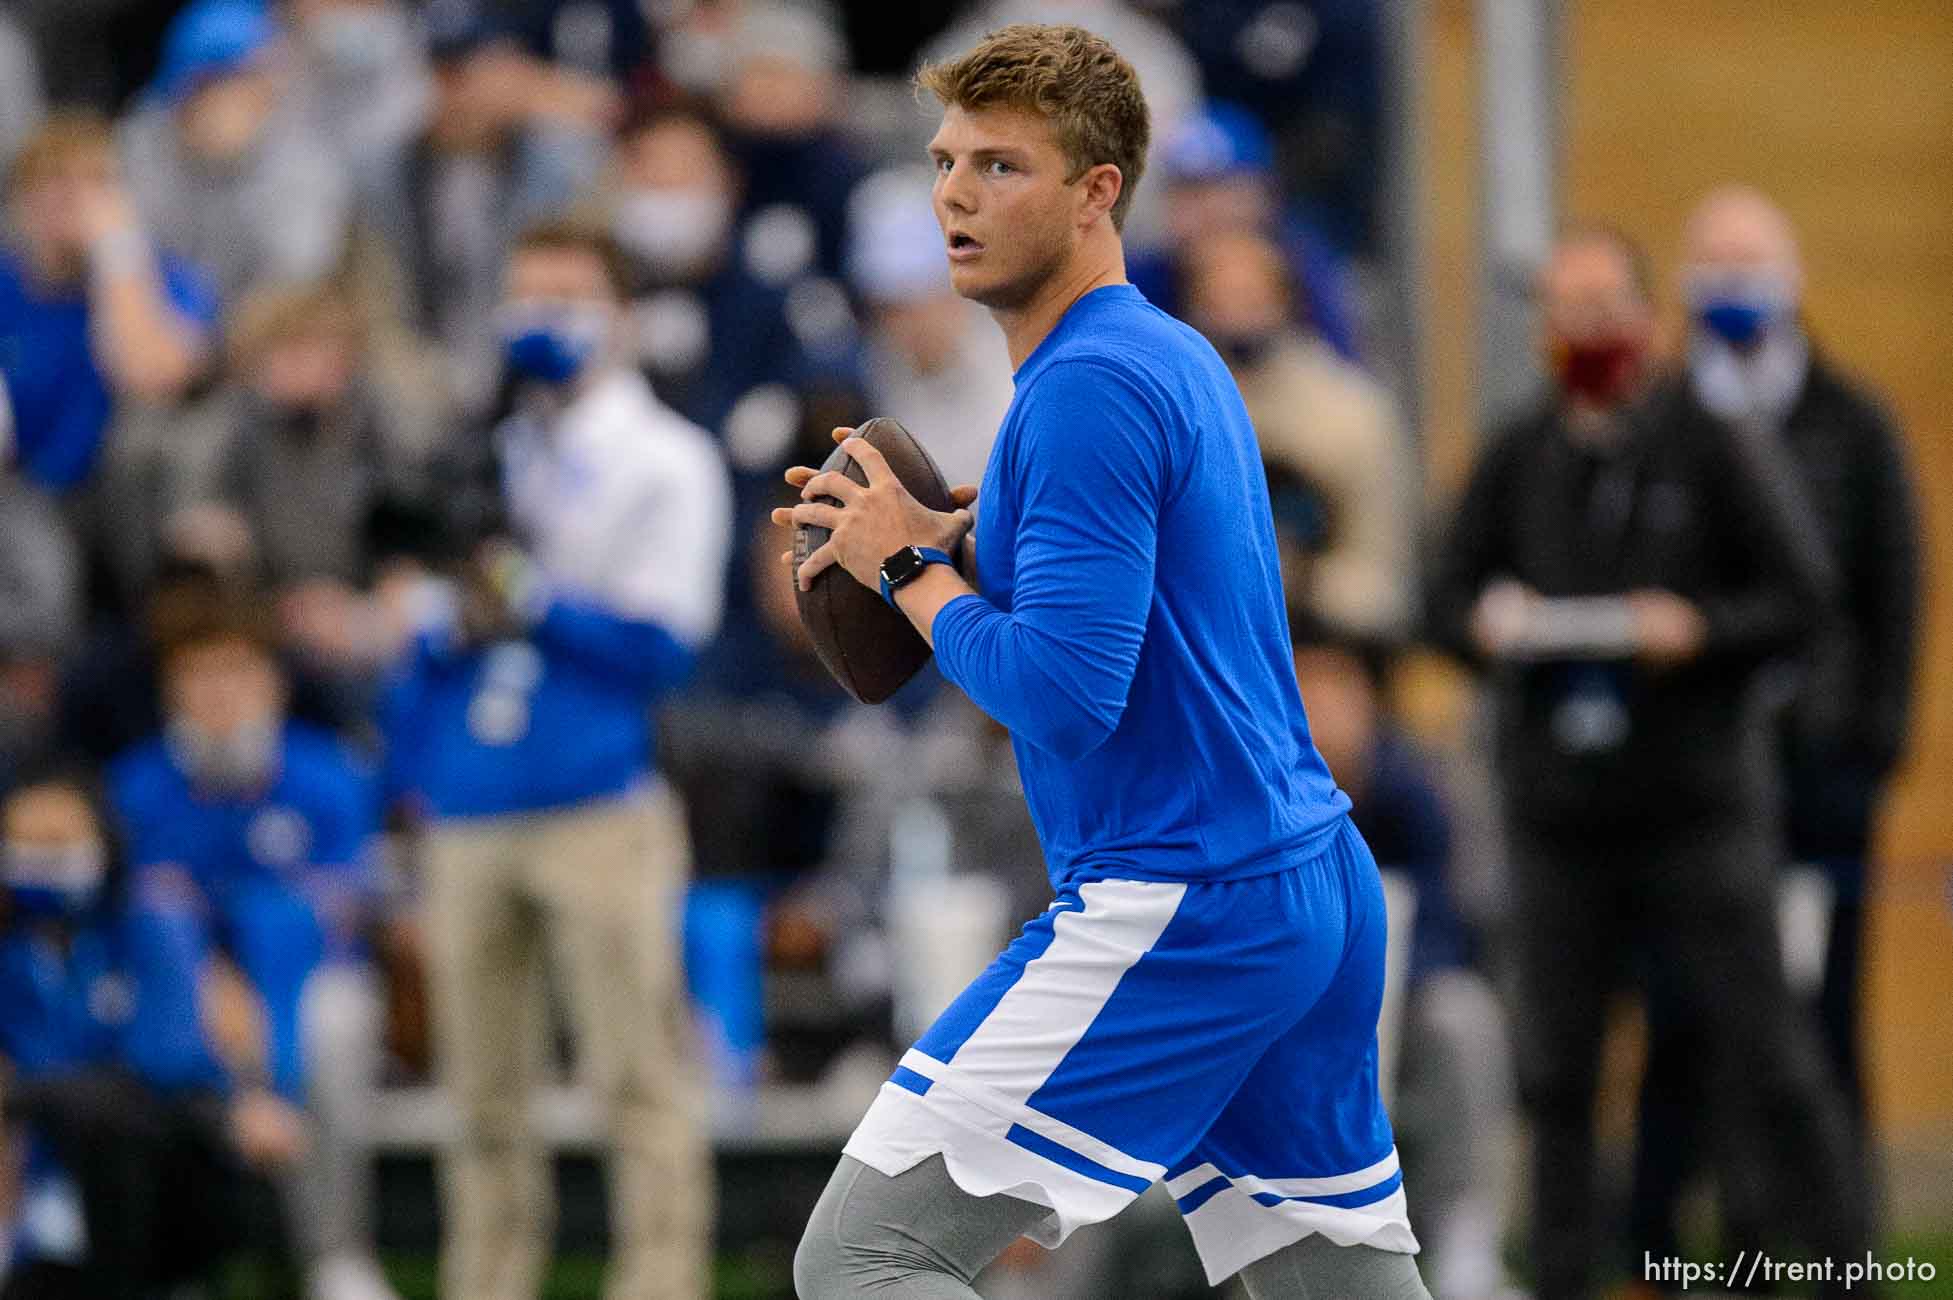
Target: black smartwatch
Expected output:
[903,567]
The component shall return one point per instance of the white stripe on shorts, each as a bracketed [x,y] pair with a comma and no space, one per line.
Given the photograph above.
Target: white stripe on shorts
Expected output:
[1063,989]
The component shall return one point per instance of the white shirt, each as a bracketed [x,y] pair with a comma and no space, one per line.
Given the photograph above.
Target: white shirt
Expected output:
[626,505]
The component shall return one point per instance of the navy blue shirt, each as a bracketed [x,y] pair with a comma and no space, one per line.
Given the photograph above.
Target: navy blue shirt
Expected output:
[61,402]
[1131,631]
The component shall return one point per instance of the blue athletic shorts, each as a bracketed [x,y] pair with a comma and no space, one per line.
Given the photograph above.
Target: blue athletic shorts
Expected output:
[1219,1036]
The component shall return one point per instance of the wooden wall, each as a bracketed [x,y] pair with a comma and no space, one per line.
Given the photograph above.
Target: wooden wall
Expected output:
[1842,109]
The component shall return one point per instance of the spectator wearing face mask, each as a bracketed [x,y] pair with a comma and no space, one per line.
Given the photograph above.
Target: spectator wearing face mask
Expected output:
[520,729]
[110,691]
[366,83]
[728,347]
[269,827]
[1217,176]
[139,1119]
[781,98]
[1752,364]
[91,313]
[509,138]
[1624,580]
[313,451]
[1752,367]
[221,160]
[1321,422]
[765,366]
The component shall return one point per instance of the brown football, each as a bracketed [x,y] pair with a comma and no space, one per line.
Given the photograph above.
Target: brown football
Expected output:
[870,647]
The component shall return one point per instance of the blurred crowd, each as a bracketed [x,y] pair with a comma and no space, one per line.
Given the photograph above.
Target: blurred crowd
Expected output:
[395,662]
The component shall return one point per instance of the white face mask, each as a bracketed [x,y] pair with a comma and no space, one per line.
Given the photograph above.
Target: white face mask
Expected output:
[360,38]
[672,231]
[53,882]
[239,763]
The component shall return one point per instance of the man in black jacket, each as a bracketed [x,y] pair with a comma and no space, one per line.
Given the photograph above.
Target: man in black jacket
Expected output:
[1752,368]
[1625,577]
[1751,365]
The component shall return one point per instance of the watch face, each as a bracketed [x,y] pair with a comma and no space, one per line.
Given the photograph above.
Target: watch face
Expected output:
[901,566]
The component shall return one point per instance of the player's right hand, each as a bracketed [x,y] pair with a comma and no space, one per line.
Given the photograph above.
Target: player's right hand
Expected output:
[963,496]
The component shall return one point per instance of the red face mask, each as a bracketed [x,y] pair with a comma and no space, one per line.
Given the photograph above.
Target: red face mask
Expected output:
[1601,372]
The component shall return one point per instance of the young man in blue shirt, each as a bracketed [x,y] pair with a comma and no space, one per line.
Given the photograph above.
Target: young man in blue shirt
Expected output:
[1199,1005]
[267,828]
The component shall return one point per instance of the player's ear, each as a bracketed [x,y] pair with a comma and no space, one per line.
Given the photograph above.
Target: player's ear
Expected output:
[1103,184]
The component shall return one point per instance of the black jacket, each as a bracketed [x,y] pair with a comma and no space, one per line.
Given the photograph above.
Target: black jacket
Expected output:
[1679,503]
[1857,698]
[1847,724]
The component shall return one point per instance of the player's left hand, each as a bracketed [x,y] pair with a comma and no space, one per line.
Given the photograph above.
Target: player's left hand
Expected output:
[872,522]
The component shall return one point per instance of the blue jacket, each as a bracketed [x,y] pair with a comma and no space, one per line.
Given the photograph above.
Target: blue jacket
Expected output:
[122,991]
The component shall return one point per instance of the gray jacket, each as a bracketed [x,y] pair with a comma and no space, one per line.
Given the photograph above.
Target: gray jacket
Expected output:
[40,574]
[280,215]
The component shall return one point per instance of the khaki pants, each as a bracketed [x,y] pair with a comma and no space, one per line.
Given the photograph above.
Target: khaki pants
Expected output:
[595,891]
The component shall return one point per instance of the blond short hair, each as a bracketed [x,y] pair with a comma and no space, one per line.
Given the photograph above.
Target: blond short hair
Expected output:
[1067,75]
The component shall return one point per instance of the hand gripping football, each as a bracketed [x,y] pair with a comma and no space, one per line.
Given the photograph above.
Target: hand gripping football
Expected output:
[870,647]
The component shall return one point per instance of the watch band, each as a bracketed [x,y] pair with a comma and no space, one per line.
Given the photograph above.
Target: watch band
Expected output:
[919,558]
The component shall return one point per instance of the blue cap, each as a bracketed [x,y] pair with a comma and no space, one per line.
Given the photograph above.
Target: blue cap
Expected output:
[1219,141]
[211,39]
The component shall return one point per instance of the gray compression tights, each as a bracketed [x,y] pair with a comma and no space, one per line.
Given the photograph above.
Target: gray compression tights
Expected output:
[919,1236]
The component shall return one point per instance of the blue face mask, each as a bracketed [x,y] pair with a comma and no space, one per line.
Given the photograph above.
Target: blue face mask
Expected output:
[552,342]
[1739,307]
[1736,321]
[47,883]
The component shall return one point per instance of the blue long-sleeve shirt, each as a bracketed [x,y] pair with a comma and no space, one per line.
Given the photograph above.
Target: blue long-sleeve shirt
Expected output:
[1131,631]
[279,874]
[121,990]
